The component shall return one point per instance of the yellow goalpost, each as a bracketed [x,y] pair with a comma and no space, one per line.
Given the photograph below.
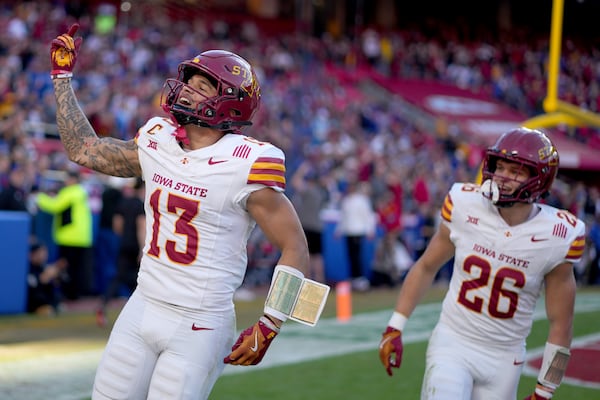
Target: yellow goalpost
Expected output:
[558,111]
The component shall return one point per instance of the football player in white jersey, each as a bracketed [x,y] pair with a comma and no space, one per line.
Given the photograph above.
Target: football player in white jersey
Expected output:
[507,249]
[206,187]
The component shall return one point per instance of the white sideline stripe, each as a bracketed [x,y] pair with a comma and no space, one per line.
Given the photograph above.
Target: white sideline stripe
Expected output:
[58,377]
[70,376]
[331,338]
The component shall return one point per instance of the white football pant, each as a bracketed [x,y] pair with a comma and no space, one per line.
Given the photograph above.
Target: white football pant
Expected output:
[154,353]
[460,369]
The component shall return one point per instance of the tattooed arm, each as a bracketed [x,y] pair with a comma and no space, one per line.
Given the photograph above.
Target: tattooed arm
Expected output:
[107,155]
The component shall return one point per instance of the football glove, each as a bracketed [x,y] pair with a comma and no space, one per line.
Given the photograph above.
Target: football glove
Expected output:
[390,349]
[63,53]
[251,346]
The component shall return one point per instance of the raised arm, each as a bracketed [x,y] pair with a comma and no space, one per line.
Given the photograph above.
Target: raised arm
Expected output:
[83,146]
[107,155]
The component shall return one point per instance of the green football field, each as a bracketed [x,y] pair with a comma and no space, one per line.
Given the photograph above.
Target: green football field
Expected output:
[359,375]
[43,358]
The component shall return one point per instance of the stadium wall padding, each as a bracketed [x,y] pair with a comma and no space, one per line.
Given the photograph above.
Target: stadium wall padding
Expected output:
[14,265]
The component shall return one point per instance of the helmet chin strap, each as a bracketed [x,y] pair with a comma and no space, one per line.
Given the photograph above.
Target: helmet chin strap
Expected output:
[182,118]
[181,115]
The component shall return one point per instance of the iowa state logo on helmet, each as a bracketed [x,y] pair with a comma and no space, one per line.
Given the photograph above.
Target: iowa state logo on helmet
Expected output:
[548,153]
[249,82]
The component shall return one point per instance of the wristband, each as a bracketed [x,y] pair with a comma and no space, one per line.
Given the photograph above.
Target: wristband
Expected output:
[278,309]
[541,392]
[269,324]
[291,295]
[270,318]
[397,321]
[554,365]
[60,75]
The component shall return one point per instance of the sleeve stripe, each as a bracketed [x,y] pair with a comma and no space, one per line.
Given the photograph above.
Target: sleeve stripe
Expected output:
[268,165]
[576,250]
[269,160]
[252,178]
[572,256]
[269,171]
[447,209]
[579,241]
[268,183]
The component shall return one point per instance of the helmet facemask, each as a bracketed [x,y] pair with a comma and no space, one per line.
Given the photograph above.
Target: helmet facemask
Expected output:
[530,149]
[186,114]
[492,188]
[236,101]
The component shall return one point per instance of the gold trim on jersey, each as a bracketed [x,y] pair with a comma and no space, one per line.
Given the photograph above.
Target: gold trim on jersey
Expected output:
[576,250]
[447,208]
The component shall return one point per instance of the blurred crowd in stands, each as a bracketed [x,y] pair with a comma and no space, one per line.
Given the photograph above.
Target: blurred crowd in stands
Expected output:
[345,134]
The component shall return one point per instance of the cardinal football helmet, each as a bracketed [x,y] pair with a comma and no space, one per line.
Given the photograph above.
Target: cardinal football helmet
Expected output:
[531,149]
[238,92]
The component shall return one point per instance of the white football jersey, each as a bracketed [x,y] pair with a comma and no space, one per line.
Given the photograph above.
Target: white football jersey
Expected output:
[499,269]
[197,225]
